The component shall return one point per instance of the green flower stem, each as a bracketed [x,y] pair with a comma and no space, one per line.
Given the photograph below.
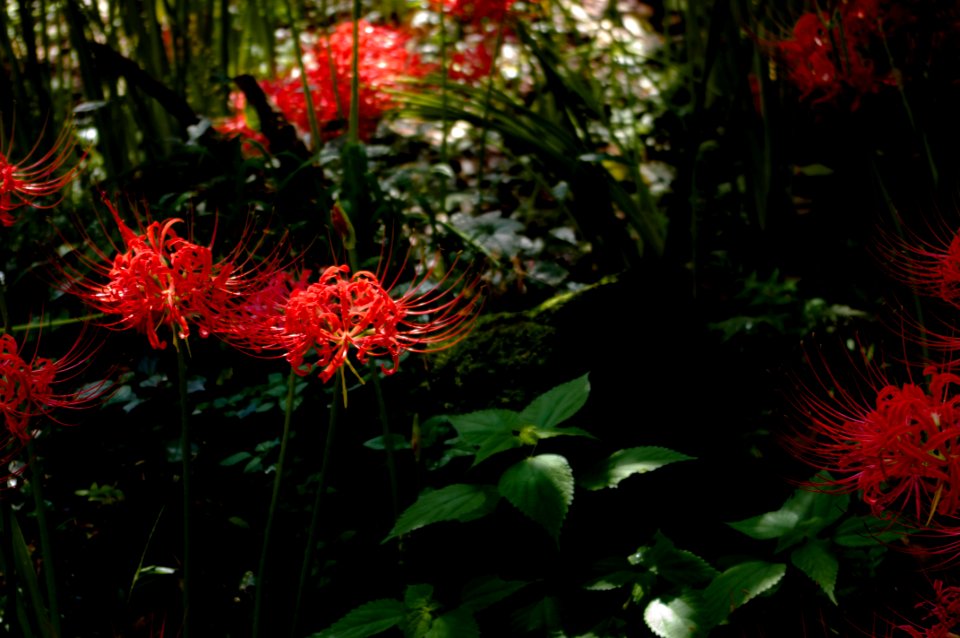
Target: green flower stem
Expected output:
[353,132]
[305,82]
[444,122]
[46,546]
[51,323]
[315,517]
[387,440]
[487,103]
[185,479]
[274,499]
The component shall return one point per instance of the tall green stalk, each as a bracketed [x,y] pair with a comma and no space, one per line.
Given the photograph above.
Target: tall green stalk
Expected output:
[185,478]
[315,517]
[304,80]
[46,546]
[271,513]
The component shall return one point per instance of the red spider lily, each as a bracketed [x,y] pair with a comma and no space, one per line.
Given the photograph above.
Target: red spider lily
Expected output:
[931,268]
[943,611]
[24,182]
[828,55]
[27,388]
[237,126]
[900,448]
[161,279]
[471,64]
[384,60]
[475,11]
[316,326]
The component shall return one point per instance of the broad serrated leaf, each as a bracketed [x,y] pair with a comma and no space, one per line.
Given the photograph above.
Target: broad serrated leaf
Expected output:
[557,405]
[490,431]
[736,586]
[459,502]
[815,559]
[679,566]
[674,617]
[542,488]
[868,531]
[803,515]
[482,592]
[624,463]
[458,623]
[368,619]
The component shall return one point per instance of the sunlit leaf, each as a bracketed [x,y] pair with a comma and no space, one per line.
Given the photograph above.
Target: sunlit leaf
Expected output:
[542,488]
[459,502]
[625,463]
[557,405]
[673,617]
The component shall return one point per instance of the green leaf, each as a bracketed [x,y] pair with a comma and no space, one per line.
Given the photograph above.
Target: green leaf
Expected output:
[458,623]
[458,502]
[368,619]
[614,580]
[491,431]
[542,488]
[736,586]
[679,566]
[540,617]
[557,405]
[418,600]
[675,617]
[417,596]
[803,515]
[815,559]
[868,531]
[482,592]
[625,463]
[233,459]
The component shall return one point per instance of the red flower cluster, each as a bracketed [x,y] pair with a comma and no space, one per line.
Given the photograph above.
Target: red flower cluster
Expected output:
[944,611]
[384,61]
[831,54]
[161,279]
[902,453]
[471,64]
[476,11]
[237,126]
[27,388]
[23,183]
[316,326]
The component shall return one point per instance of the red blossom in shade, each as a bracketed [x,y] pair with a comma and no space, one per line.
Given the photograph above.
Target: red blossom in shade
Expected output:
[900,449]
[384,61]
[161,279]
[829,55]
[34,176]
[317,326]
[930,268]
[237,126]
[943,612]
[27,388]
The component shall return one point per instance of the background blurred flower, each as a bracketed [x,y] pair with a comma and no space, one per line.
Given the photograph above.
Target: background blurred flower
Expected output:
[385,60]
